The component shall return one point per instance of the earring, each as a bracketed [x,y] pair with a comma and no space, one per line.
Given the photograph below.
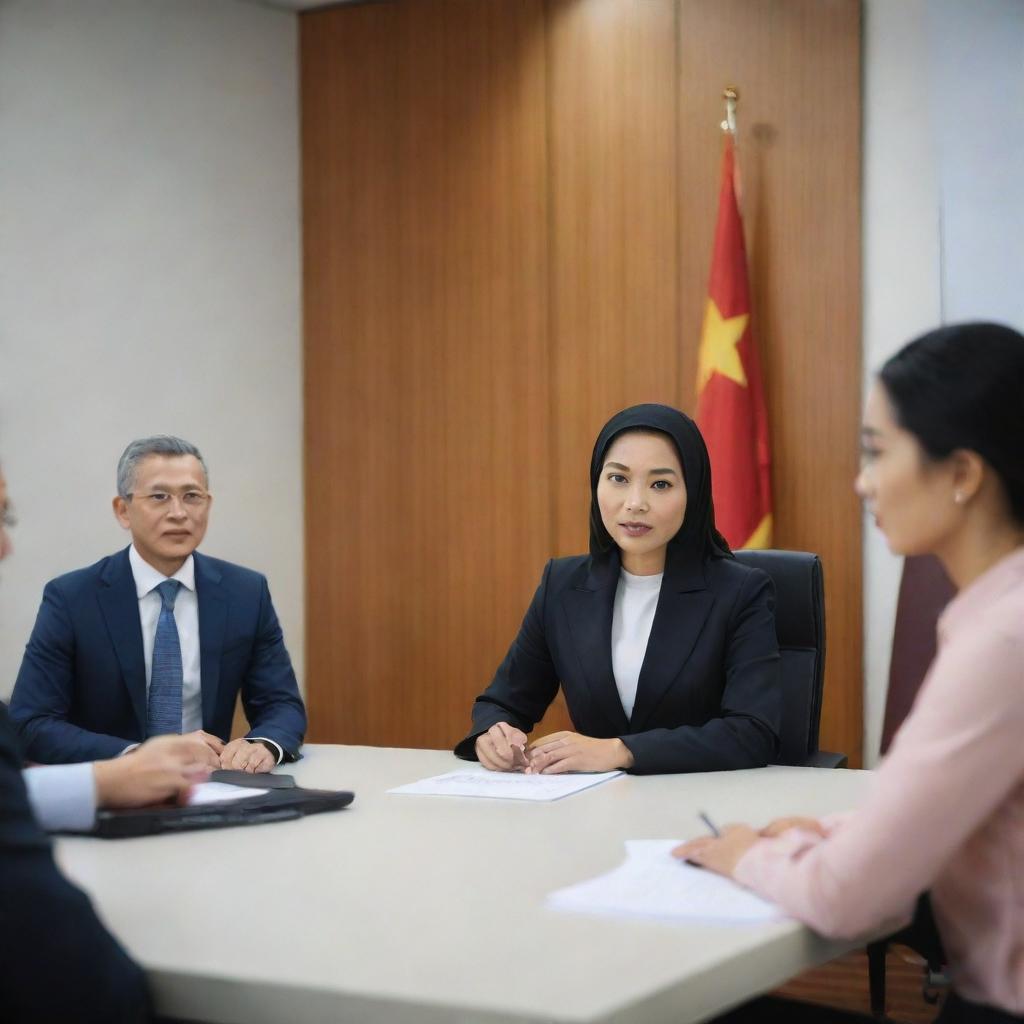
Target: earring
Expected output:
[958,497]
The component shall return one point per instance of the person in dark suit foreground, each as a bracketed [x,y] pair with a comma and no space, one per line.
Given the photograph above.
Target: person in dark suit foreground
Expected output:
[158,638]
[663,644]
[57,961]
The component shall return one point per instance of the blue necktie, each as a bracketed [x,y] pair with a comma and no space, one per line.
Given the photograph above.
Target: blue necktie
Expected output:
[165,681]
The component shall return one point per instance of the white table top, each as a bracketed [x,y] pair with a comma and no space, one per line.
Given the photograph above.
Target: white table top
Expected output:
[421,909]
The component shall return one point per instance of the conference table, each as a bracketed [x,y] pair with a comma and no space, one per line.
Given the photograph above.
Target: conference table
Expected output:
[408,908]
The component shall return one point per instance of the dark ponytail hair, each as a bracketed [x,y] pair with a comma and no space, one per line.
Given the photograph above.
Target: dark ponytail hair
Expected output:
[962,386]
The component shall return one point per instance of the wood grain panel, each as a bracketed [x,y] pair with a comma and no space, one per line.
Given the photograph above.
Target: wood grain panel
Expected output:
[508,219]
[843,984]
[614,266]
[426,347]
[797,66]
[613,269]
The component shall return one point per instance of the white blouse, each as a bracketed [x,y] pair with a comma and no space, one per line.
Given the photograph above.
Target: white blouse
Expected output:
[636,600]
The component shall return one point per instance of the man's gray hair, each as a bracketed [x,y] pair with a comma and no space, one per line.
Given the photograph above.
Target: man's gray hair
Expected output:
[159,444]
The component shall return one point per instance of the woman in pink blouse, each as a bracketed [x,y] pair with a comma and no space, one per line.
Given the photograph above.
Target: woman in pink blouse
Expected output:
[943,473]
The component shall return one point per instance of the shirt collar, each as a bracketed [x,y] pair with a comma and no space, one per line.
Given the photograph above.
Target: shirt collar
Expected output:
[1006,575]
[146,577]
[650,582]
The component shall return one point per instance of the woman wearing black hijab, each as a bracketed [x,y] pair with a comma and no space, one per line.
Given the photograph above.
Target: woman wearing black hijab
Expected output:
[664,645]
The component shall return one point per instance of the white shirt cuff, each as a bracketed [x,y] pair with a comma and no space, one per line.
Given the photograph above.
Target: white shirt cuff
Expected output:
[63,796]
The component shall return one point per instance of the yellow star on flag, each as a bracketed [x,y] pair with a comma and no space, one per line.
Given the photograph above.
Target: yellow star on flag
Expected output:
[718,341]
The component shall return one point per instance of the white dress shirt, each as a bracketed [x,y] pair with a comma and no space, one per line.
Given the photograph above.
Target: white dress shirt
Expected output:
[636,600]
[186,618]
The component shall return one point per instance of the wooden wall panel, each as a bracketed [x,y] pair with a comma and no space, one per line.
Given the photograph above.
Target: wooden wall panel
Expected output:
[797,67]
[613,269]
[614,266]
[426,318]
[508,212]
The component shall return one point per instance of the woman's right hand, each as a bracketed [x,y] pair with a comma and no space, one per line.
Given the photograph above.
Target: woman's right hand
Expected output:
[502,748]
[780,825]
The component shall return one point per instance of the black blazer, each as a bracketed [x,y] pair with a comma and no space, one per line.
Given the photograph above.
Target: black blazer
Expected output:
[57,962]
[708,696]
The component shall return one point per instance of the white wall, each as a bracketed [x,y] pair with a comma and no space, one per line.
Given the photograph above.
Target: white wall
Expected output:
[149,278]
[977,87]
[943,213]
[901,270]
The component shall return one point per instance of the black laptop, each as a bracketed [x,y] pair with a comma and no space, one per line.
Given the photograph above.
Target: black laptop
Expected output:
[283,802]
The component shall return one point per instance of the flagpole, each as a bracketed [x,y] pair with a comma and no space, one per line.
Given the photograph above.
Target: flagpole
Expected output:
[731,95]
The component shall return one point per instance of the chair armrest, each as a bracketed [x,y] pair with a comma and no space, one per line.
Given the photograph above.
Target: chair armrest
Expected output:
[826,759]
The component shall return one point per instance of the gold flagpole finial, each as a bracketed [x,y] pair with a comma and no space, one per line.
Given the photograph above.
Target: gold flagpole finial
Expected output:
[731,96]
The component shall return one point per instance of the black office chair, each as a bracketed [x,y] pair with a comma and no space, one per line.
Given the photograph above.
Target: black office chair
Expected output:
[800,625]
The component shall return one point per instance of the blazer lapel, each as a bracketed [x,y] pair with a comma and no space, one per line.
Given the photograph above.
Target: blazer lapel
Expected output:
[213,614]
[588,608]
[683,607]
[119,605]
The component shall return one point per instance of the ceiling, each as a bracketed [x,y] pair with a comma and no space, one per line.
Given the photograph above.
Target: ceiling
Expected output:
[305,5]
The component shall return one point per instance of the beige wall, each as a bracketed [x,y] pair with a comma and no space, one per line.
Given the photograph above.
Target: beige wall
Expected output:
[149,278]
[901,270]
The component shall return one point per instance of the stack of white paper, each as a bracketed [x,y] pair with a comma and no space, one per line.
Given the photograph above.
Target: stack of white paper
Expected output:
[475,780]
[652,883]
[218,792]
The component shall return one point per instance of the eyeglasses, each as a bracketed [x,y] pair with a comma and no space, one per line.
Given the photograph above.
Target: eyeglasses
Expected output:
[190,499]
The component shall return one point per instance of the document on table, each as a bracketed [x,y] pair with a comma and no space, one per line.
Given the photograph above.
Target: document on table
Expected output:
[652,883]
[218,792]
[475,780]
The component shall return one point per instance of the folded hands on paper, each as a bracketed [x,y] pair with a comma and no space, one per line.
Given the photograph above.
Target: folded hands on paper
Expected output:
[504,748]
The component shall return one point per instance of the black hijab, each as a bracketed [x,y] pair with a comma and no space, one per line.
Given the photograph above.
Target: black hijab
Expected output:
[697,539]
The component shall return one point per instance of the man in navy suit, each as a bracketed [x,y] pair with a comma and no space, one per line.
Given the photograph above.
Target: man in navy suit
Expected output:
[158,638]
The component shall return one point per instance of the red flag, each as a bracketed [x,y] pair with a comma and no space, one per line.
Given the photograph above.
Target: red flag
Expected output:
[730,395]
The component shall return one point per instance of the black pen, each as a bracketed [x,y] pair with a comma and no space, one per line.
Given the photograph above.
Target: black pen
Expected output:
[712,827]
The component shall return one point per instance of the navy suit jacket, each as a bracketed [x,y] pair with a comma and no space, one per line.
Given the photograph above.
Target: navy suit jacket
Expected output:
[57,961]
[81,690]
[709,695]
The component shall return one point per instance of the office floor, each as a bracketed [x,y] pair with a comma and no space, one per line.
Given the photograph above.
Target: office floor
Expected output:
[844,984]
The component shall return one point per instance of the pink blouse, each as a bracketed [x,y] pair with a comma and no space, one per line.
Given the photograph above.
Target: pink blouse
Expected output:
[945,811]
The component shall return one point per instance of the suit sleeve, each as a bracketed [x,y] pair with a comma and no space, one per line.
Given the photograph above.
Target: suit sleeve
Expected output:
[57,961]
[746,732]
[270,692]
[525,683]
[43,691]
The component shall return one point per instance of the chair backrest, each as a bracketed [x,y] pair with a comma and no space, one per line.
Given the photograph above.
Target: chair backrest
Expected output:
[800,626]
[925,590]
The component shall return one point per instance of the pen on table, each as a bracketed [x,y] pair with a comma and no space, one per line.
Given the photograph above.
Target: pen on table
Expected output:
[712,827]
